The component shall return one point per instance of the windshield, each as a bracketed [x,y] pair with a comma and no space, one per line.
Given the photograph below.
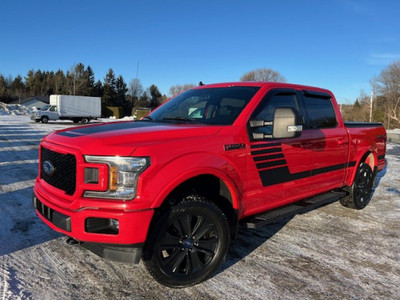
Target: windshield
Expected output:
[46,107]
[217,106]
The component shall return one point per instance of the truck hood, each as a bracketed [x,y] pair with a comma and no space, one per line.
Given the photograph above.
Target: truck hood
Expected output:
[122,138]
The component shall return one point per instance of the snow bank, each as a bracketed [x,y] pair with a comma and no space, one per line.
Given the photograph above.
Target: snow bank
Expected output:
[13,109]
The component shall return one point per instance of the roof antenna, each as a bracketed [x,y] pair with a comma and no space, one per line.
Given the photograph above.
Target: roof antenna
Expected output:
[201,83]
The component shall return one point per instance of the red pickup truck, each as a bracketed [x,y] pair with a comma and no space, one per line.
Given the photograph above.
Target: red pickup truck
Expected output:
[173,187]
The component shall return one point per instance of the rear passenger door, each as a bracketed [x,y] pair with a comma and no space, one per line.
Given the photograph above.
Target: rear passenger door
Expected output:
[328,141]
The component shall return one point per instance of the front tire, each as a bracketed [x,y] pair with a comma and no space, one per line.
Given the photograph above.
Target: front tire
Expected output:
[188,243]
[45,119]
[360,192]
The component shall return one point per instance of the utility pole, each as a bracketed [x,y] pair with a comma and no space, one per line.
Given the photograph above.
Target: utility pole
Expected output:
[371,105]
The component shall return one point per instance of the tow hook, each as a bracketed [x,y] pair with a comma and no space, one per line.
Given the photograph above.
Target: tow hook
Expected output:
[71,241]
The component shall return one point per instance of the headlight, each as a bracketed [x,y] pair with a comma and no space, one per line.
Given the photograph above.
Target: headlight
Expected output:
[123,176]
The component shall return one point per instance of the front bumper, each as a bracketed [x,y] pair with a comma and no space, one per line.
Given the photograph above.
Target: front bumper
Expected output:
[129,254]
[124,245]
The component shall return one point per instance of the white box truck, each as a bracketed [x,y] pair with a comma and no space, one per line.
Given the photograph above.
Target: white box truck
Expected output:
[76,108]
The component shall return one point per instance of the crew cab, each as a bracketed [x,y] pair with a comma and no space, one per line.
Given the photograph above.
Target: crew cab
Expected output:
[173,188]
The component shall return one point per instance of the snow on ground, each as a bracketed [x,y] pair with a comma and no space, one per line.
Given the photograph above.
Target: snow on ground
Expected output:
[328,253]
[13,109]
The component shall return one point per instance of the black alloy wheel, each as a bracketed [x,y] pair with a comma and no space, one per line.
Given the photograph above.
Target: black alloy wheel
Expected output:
[188,244]
[360,192]
[363,186]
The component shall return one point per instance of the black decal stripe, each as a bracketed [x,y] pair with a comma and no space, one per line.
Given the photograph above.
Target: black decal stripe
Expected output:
[264,145]
[327,169]
[271,164]
[266,151]
[351,164]
[69,134]
[82,131]
[282,174]
[381,157]
[267,157]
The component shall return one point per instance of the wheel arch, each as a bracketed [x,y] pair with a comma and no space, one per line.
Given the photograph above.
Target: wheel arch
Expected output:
[213,185]
[369,157]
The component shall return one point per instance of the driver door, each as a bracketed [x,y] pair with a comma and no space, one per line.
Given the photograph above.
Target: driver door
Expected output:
[52,113]
[278,169]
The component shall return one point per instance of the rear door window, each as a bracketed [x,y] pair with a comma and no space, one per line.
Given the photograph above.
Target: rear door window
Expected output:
[320,112]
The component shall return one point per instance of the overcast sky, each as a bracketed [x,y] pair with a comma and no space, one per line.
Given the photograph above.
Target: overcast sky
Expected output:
[339,45]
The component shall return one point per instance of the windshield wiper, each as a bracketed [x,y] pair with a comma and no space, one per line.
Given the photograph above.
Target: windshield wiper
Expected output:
[179,119]
[147,118]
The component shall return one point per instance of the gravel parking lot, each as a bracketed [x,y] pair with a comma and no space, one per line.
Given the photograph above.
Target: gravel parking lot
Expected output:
[328,253]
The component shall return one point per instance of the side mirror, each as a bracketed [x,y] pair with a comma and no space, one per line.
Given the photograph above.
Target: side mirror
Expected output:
[286,124]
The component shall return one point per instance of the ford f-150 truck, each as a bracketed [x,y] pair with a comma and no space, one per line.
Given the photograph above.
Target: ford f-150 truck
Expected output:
[173,188]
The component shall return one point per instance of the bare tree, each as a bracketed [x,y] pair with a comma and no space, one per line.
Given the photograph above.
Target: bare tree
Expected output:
[388,86]
[177,89]
[135,88]
[263,74]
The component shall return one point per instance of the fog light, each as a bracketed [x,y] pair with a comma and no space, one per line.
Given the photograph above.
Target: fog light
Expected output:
[102,225]
[114,225]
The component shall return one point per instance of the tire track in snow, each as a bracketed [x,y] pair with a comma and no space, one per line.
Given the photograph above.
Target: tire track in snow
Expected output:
[20,148]
[16,186]
[3,280]
[19,162]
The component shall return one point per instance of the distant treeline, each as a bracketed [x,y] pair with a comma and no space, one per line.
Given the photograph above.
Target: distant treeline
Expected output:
[80,80]
[114,91]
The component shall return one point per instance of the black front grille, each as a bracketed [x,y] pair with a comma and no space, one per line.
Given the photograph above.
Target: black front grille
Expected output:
[58,170]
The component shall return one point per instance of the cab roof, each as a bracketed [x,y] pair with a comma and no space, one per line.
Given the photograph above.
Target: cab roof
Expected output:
[265,84]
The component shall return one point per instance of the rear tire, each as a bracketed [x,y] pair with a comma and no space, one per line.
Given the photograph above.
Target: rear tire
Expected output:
[85,120]
[360,192]
[188,243]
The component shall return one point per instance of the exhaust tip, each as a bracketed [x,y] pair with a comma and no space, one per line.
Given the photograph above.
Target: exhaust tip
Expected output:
[71,241]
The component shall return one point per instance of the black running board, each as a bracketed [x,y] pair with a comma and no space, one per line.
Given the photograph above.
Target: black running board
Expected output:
[290,210]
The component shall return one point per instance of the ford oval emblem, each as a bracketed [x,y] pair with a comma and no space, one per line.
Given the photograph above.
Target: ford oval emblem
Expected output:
[48,167]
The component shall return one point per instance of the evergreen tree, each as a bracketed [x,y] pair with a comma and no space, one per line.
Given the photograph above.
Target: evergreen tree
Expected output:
[4,96]
[18,87]
[30,82]
[120,89]
[90,81]
[97,89]
[155,96]
[144,100]
[59,82]
[109,88]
